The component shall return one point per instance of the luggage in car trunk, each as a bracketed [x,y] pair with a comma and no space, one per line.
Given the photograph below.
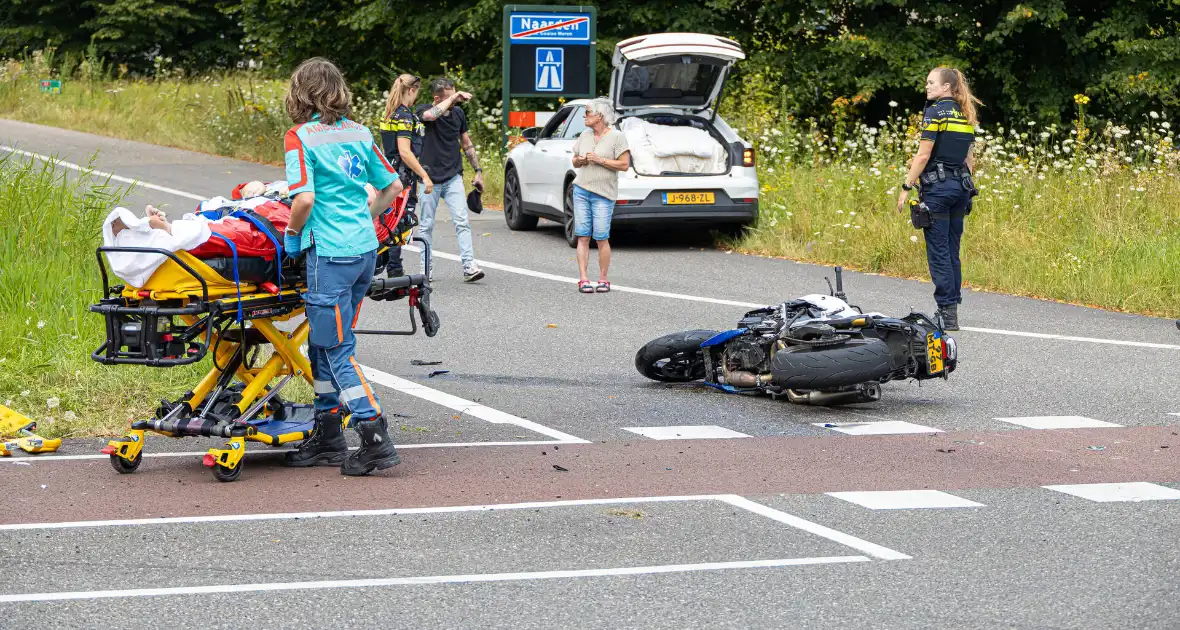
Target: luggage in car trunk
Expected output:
[673,145]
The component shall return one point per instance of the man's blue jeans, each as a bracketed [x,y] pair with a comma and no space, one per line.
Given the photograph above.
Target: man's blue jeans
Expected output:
[452,192]
[335,287]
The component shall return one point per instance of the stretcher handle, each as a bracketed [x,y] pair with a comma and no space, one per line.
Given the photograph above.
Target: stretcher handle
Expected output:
[147,250]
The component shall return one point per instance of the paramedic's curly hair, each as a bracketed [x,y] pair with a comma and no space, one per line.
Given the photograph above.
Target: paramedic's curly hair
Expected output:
[317,87]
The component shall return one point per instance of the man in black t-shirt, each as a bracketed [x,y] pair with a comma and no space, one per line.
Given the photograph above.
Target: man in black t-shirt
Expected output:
[446,132]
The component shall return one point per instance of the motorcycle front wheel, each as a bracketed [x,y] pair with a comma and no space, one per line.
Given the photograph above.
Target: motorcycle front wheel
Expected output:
[675,358]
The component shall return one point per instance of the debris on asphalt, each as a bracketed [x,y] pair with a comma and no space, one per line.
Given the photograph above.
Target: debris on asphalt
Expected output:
[556,467]
[946,450]
[1096,448]
[421,362]
[550,325]
[829,425]
[976,442]
[436,373]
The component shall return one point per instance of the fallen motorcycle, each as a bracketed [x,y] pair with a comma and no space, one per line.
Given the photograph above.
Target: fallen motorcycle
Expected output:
[816,349]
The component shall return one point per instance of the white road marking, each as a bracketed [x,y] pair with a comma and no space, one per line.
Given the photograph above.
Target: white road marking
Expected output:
[118,178]
[484,413]
[709,300]
[1059,422]
[464,406]
[625,289]
[268,451]
[863,546]
[1113,492]
[848,540]
[699,432]
[431,579]
[904,499]
[884,427]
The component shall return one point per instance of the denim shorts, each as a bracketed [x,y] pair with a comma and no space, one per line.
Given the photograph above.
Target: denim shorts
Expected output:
[592,213]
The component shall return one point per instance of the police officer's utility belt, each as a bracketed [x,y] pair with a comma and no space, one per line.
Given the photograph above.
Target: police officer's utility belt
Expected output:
[940,172]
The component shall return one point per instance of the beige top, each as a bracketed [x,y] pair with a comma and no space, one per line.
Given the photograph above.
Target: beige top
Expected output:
[593,177]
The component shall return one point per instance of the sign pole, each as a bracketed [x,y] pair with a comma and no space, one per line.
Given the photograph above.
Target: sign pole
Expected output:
[505,99]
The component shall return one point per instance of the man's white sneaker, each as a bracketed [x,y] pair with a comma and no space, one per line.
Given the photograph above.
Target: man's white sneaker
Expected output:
[472,273]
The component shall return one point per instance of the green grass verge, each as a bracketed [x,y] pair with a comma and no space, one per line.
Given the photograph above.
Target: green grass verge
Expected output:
[1110,241]
[1077,216]
[48,279]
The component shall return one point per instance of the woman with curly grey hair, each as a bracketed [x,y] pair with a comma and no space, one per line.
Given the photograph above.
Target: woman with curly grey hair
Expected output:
[600,154]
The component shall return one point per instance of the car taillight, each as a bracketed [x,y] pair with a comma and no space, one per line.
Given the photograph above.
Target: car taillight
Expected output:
[748,157]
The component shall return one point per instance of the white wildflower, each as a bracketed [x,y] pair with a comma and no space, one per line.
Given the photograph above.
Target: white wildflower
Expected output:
[40,324]
[25,393]
[893,103]
[846,225]
[1154,115]
[52,403]
[914,239]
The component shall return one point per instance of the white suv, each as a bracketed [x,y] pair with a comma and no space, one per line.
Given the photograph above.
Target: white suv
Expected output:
[687,165]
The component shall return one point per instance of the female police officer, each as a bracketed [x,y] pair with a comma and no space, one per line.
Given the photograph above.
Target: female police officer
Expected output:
[942,168]
[329,160]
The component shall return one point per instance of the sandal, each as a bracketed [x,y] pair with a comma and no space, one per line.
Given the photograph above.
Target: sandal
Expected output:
[603,287]
[585,286]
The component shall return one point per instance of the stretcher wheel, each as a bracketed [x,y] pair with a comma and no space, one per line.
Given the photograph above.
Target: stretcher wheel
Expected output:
[126,467]
[225,474]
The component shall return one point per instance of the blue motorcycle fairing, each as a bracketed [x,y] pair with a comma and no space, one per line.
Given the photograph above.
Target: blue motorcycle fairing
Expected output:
[721,338]
[730,389]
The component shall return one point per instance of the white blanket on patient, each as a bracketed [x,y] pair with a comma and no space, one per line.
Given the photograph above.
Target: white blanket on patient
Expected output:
[136,267]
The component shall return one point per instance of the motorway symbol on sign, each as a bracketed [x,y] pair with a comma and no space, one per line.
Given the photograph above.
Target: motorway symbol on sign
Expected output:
[550,69]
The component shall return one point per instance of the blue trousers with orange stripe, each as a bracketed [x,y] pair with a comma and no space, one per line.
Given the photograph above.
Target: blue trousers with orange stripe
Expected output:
[335,287]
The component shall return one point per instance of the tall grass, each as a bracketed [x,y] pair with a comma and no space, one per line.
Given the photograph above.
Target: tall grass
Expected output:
[1085,213]
[1088,213]
[238,115]
[49,227]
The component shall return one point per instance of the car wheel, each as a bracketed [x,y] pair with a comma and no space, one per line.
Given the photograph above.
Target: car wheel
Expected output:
[568,207]
[514,204]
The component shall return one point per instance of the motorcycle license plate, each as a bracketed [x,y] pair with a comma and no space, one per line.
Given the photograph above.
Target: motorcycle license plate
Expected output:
[688,198]
[934,353]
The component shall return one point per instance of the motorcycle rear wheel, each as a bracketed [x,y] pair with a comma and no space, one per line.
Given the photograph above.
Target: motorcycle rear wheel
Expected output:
[857,361]
[675,358]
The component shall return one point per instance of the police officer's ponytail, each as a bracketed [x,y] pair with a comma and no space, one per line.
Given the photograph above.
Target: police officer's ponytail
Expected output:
[961,92]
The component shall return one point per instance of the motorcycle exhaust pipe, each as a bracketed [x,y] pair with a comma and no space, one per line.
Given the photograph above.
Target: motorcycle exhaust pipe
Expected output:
[863,394]
[745,379]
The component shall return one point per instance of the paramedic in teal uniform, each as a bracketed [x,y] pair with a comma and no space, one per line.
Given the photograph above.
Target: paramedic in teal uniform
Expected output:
[329,160]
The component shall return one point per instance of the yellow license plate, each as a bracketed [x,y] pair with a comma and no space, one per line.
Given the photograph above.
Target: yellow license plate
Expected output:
[688,198]
[934,353]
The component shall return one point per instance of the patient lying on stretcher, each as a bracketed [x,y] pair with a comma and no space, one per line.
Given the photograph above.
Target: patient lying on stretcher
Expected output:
[248,226]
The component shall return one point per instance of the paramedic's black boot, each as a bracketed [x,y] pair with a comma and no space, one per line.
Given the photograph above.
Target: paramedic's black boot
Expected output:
[950,316]
[325,446]
[376,452]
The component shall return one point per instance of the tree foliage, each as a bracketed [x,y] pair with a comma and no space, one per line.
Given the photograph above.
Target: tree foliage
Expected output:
[832,59]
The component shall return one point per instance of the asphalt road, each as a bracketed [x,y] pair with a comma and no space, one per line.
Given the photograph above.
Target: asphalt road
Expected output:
[524,500]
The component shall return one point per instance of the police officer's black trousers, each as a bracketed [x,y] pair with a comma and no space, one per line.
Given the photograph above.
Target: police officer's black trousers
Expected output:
[394,266]
[942,254]
[948,203]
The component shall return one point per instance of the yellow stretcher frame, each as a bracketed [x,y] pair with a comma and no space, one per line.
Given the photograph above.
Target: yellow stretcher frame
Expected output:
[186,280]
